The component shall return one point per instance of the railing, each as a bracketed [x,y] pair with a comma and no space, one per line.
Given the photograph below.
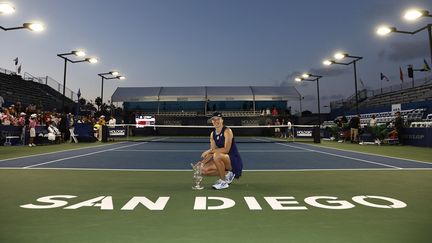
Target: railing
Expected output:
[370,93]
[45,80]
[5,71]
[405,85]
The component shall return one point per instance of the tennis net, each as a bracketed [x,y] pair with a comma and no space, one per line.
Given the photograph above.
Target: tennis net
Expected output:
[201,134]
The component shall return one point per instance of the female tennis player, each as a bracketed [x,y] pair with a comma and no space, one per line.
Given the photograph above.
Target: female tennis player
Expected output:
[223,158]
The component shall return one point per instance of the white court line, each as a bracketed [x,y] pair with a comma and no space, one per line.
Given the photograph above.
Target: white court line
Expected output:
[341,156]
[196,150]
[385,156]
[81,155]
[189,170]
[61,151]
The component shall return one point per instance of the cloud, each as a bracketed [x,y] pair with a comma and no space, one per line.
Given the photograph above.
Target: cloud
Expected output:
[404,51]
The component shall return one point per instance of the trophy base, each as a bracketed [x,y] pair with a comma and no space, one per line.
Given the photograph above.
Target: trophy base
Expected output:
[197,187]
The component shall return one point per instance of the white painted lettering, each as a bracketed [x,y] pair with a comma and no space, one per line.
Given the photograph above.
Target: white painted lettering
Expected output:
[394,202]
[252,203]
[49,199]
[160,203]
[201,203]
[105,203]
[340,204]
[280,203]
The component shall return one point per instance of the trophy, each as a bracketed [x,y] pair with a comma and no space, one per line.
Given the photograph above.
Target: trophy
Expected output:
[197,176]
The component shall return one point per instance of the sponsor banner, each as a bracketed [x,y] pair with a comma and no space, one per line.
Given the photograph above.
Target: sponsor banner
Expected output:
[117,132]
[395,108]
[418,136]
[303,132]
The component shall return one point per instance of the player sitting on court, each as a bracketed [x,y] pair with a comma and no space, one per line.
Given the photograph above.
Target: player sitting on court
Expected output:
[223,158]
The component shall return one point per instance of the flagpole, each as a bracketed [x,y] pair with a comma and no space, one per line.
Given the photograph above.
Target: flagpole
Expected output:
[381,86]
[430,40]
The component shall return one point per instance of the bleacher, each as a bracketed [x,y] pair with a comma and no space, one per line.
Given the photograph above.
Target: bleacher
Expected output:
[239,113]
[14,88]
[419,93]
[209,113]
[409,115]
[177,113]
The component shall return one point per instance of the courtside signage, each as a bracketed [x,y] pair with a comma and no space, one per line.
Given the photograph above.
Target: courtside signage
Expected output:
[287,203]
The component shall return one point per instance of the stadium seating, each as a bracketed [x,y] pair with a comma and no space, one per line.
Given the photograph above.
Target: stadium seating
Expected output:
[410,115]
[13,88]
[419,93]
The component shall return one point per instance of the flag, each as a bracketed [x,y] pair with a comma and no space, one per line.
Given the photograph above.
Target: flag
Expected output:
[16,61]
[79,94]
[384,77]
[426,66]
[361,82]
[401,74]
[19,69]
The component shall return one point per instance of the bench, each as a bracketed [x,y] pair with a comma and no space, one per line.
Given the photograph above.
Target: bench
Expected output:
[8,141]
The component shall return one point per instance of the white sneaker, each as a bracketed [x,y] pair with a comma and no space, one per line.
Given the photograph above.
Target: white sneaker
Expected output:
[221,185]
[33,144]
[229,177]
[218,181]
[30,145]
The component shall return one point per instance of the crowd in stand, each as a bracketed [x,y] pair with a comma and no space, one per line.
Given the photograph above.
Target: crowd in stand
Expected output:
[58,125]
[353,131]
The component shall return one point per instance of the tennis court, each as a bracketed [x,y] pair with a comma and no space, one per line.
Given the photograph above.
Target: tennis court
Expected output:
[108,177]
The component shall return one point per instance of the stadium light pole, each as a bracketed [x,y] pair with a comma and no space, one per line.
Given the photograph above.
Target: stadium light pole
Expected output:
[410,15]
[36,27]
[312,78]
[355,59]
[108,76]
[65,57]
[7,8]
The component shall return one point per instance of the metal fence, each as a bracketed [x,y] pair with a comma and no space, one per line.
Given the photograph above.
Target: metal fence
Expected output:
[47,81]
[370,93]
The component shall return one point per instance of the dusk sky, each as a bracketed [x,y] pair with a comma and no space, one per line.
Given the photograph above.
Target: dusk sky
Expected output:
[216,42]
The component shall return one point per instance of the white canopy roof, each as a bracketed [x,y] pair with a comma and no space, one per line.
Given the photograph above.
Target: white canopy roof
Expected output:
[202,93]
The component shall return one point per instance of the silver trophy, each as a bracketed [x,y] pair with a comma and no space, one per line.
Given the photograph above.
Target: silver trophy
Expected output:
[197,176]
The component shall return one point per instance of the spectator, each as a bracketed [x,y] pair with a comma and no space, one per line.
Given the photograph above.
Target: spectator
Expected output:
[274,111]
[53,132]
[373,121]
[112,122]
[344,120]
[32,127]
[268,113]
[62,127]
[101,122]
[7,118]
[277,129]
[283,130]
[22,119]
[18,107]
[1,101]
[399,125]
[289,127]
[354,125]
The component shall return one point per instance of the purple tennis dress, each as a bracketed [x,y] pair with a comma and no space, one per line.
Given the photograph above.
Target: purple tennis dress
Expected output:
[236,161]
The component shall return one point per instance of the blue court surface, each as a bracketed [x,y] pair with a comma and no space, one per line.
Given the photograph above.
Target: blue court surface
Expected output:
[178,156]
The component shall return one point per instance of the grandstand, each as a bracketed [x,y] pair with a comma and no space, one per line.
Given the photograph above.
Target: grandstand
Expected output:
[191,105]
[416,102]
[419,93]
[30,90]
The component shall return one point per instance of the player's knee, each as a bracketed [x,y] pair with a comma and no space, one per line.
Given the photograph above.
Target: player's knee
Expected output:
[204,171]
[217,156]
